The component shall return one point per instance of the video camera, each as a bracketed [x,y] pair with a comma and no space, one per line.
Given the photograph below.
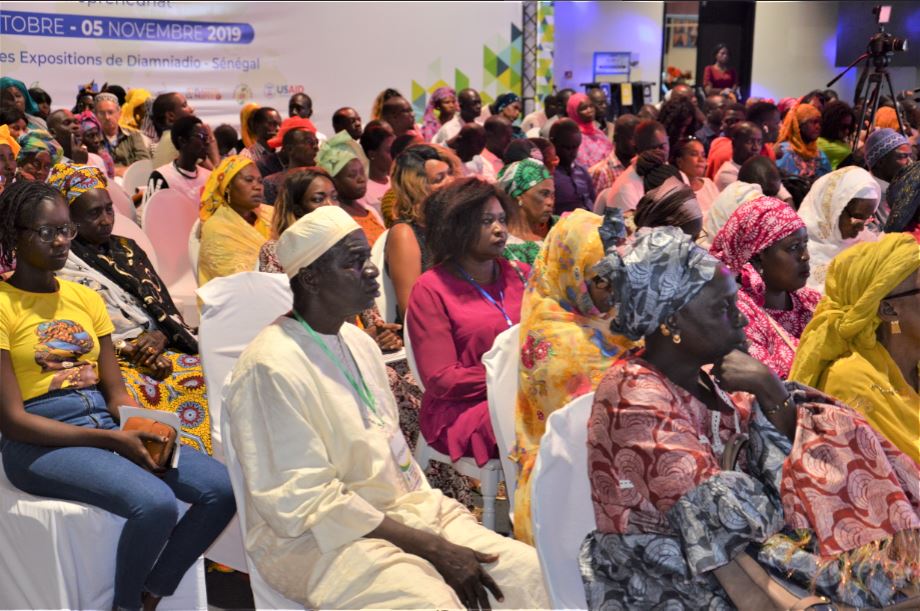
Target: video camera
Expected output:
[883,44]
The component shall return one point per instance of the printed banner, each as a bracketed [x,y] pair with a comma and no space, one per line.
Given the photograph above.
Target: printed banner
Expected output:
[221,55]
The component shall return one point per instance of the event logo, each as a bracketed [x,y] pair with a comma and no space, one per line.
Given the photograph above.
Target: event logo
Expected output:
[203,94]
[272,90]
[242,93]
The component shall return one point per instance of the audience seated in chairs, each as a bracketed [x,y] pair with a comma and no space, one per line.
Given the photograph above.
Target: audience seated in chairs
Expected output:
[59,410]
[457,308]
[417,171]
[531,185]
[765,244]
[797,151]
[157,352]
[38,152]
[341,515]
[313,188]
[298,144]
[837,211]
[661,453]
[566,342]
[183,174]
[234,220]
[341,157]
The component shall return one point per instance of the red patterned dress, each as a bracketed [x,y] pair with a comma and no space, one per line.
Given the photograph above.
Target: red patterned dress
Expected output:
[667,514]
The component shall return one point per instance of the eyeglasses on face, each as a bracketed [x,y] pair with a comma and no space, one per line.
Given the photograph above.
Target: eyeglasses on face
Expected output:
[903,294]
[47,233]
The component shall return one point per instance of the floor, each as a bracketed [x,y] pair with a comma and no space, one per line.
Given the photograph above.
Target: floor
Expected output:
[230,591]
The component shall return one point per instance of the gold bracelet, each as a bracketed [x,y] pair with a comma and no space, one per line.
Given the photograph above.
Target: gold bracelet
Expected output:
[789,401]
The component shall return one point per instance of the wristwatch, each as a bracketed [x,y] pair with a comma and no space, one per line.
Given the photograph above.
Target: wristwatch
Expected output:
[119,346]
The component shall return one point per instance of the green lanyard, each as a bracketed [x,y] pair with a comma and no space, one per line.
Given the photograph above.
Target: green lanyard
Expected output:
[361,390]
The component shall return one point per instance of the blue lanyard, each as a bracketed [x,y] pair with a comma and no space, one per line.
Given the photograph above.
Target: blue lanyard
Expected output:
[361,390]
[485,295]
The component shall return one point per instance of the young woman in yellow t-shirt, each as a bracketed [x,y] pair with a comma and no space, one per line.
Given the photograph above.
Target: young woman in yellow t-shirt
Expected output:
[60,392]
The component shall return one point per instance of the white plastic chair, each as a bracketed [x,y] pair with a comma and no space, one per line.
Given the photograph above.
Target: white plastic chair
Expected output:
[386,302]
[489,475]
[264,596]
[168,219]
[61,555]
[561,502]
[234,309]
[122,201]
[194,247]
[137,175]
[502,365]
[127,228]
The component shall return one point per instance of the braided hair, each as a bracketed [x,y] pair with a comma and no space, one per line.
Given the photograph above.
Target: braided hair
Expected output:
[18,207]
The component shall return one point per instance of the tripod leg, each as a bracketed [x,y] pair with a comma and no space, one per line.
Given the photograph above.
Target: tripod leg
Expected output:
[856,99]
[897,109]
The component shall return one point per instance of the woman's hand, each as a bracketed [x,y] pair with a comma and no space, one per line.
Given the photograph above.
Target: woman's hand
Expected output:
[738,371]
[147,347]
[387,336]
[130,444]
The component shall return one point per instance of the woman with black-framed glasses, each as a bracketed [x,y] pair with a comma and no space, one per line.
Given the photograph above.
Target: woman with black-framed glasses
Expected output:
[863,343]
[61,394]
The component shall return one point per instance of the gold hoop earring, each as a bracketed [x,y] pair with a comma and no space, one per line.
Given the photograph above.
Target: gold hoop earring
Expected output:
[664,330]
[676,338]
[895,327]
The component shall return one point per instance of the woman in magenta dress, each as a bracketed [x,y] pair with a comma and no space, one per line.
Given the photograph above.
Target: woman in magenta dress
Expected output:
[456,310]
[718,77]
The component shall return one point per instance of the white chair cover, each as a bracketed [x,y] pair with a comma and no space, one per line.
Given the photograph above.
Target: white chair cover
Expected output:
[234,309]
[168,219]
[194,247]
[137,175]
[61,555]
[263,594]
[561,502]
[502,365]
[122,201]
[127,228]
[386,302]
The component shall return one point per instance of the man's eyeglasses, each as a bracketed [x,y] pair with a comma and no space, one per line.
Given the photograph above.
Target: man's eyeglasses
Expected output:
[47,233]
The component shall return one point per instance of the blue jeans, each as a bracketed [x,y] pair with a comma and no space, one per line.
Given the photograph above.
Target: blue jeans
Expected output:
[154,552]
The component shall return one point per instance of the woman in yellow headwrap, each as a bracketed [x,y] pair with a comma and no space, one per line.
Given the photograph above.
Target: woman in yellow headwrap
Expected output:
[234,220]
[9,148]
[132,111]
[566,343]
[863,343]
[245,128]
[797,150]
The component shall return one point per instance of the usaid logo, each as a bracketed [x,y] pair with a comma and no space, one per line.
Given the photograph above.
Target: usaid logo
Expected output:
[272,90]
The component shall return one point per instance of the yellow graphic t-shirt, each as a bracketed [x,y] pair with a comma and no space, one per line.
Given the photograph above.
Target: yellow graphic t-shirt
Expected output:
[53,338]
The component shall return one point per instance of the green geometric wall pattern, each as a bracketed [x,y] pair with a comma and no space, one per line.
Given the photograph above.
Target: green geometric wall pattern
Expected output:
[546,33]
[501,66]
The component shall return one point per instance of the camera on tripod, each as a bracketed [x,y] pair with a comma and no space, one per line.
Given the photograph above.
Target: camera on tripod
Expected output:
[881,48]
[883,44]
